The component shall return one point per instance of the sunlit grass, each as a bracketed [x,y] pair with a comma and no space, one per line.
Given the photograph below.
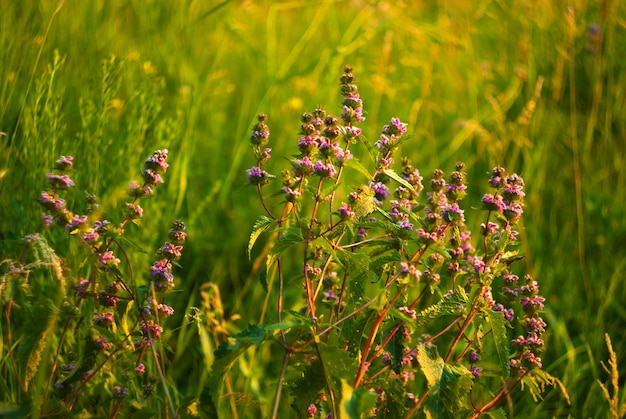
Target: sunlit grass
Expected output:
[129,77]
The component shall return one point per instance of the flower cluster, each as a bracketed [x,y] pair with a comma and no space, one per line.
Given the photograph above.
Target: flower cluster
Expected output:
[529,344]
[323,144]
[414,246]
[106,284]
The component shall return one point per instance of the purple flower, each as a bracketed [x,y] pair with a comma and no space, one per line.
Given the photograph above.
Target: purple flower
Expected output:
[381,191]
[259,137]
[134,211]
[77,221]
[105,319]
[177,236]
[108,259]
[140,369]
[530,360]
[409,312]
[106,299]
[473,357]
[103,343]
[150,328]
[426,237]
[257,176]
[80,290]
[162,269]
[64,163]
[493,203]
[119,392]
[62,182]
[157,162]
[453,213]
[151,177]
[535,324]
[405,225]
[409,270]
[476,371]
[532,304]
[47,219]
[170,251]
[51,201]
[324,170]
[345,211]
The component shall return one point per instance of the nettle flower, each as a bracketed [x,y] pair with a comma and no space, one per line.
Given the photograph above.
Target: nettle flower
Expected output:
[64,163]
[60,182]
[260,131]
[108,259]
[258,176]
[324,170]
[170,251]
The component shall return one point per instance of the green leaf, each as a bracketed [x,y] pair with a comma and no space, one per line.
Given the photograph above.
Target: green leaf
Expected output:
[261,225]
[393,175]
[232,347]
[360,404]
[356,265]
[495,414]
[500,339]
[358,166]
[452,305]
[395,347]
[40,325]
[448,383]
[226,355]
[290,238]
[430,363]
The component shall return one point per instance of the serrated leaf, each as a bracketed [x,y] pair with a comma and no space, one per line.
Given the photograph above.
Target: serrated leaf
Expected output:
[33,345]
[288,239]
[235,345]
[448,397]
[495,414]
[431,364]
[329,189]
[447,306]
[261,225]
[360,404]
[393,175]
[358,166]
[500,339]
[377,265]
[448,383]
[395,348]
[356,264]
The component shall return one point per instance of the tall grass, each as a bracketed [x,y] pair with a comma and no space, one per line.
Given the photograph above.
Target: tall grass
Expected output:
[511,83]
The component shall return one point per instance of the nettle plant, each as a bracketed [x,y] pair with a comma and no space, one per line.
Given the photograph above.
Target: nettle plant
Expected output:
[89,344]
[399,308]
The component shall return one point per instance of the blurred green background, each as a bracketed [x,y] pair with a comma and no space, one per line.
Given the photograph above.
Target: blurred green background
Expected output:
[536,86]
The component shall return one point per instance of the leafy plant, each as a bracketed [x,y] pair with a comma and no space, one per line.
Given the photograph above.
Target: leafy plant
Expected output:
[88,342]
[396,307]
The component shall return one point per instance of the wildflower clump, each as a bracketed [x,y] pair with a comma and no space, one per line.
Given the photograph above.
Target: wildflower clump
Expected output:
[400,307]
[106,341]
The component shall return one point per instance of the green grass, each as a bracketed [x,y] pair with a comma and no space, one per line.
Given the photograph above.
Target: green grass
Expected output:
[108,82]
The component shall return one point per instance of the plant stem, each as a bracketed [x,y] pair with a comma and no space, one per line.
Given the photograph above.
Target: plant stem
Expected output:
[279,386]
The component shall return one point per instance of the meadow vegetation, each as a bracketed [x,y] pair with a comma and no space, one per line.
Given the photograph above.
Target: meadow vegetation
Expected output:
[535,87]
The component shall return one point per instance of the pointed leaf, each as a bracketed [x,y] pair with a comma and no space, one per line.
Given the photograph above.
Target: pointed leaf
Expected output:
[261,225]
[358,166]
[452,305]
[500,339]
[393,175]
[287,240]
